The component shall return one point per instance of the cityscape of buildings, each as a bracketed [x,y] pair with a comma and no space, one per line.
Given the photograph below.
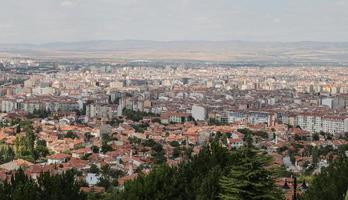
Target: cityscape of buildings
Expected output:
[94,115]
[174,100]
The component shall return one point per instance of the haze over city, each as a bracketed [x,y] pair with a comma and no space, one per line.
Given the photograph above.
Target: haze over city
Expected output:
[174,99]
[41,21]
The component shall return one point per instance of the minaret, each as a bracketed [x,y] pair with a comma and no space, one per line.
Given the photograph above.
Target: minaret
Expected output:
[130,163]
[275,138]
[187,142]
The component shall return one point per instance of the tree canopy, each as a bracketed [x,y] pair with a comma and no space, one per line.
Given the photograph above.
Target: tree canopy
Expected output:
[47,186]
[206,176]
[249,178]
[331,183]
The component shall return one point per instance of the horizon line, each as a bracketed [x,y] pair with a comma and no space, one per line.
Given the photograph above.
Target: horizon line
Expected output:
[168,41]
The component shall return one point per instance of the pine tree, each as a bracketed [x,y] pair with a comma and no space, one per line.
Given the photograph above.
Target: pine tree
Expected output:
[248,178]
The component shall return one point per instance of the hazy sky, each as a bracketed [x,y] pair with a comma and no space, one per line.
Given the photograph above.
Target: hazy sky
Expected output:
[40,21]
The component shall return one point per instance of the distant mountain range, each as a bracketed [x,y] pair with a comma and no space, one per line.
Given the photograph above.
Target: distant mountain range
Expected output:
[112,45]
[187,50]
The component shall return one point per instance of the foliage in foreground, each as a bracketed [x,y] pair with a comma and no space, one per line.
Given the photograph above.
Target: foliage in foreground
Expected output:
[215,173]
[52,187]
[331,184]
[206,176]
[249,179]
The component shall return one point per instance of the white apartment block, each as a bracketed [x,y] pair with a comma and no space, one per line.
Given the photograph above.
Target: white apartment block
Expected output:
[316,123]
[335,125]
[100,111]
[252,117]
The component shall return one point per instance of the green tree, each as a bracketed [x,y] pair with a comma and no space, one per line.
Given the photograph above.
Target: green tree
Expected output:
[316,136]
[248,178]
[174,144]
[105,148]
[248,138]
[94,169]
[6,153]
[331,183]
[158,154]
[176,152]
[71,134]
[18,129]
[53,187]
[197,178]
[63,186]
[315,155]
[41,149]
[95,149]
[88,136]
[20,146]
[29,138]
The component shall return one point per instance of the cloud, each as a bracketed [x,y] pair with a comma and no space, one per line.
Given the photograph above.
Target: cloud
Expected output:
[340,3]
[173,20]
[276,20]
[66,4]
[5,26]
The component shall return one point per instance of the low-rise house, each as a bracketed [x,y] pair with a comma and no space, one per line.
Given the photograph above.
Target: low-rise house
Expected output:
[236,140]
[79,153]
[58,158]
[16,164]
[123,180]
[36,170]
[174,117]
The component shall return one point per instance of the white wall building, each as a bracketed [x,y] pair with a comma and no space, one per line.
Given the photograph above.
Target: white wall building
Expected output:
[199,113]
[327,101]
